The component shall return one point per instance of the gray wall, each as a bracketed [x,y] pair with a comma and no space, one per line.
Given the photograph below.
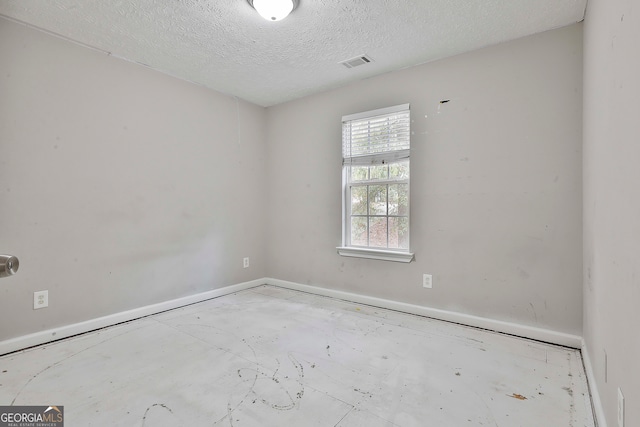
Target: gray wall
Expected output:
[612,202]
[123,187]
[119,186]
[495,184]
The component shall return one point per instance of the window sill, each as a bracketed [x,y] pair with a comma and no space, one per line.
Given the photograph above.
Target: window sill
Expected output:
[376,254]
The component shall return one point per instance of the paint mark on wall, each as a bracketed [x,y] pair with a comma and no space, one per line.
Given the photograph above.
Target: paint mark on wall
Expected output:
[441,103]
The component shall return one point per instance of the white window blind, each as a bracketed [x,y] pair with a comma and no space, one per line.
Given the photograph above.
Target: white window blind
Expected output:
[377,136]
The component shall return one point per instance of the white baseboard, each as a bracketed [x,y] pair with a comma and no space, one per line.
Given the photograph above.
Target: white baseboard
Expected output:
[54,334]
[601,421]
[510,328]
[43,337]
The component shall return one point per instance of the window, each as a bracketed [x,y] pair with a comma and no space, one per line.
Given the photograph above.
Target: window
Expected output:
[375,176]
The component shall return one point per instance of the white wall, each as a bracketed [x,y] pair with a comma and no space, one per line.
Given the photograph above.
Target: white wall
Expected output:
[119,186]
[496,184]
[612,202]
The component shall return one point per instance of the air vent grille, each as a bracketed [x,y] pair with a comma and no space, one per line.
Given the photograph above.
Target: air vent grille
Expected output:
[356,61]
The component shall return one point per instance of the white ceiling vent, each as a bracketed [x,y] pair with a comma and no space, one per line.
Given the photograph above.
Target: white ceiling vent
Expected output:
[358,60]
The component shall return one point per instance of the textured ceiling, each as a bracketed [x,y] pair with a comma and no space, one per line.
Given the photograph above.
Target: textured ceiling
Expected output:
[225,45]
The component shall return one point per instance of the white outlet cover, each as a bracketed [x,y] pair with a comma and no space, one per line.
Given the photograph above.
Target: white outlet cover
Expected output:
[427,281]
[40,299]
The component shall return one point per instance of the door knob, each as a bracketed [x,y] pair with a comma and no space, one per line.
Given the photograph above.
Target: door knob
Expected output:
[8,265]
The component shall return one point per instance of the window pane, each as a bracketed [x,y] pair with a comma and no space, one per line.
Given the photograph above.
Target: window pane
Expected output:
[359,231]
[399,199]
[378,232]
[393,199]
[379,172]
[359,200]
[403,199]
[399,170]
[359,173]
[399,233]
[377,200]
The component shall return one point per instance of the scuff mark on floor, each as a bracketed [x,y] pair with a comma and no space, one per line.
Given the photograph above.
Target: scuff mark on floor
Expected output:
[275,378]
[36,375]
[517,396]
[276,371]
[160,405]
[366,393]
[230,414]
[489,410]
[230,410]
[298,366]
[345,416]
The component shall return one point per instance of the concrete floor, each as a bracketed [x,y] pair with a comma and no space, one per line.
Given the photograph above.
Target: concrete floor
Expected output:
[275,357]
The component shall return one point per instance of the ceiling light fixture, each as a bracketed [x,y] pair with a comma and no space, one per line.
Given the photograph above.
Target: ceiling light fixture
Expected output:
[273,10]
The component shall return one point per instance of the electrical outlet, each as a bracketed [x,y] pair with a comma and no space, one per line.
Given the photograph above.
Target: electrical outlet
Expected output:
[40,299]
[245,263]
[427,281]
[620,408]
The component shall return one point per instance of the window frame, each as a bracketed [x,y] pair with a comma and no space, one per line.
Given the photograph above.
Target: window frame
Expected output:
[347,248]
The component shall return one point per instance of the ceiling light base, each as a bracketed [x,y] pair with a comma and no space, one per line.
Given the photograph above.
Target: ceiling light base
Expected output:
[274,10]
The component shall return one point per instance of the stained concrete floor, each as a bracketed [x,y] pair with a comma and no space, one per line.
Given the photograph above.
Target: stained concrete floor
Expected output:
[274,357]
